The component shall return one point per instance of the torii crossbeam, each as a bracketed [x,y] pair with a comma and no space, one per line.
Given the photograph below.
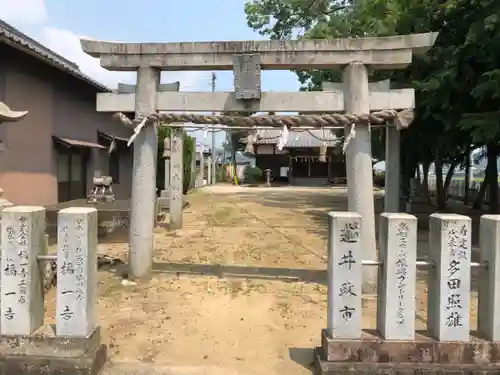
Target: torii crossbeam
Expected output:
[246,59]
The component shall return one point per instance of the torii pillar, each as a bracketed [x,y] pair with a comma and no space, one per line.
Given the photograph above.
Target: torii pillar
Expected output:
[392,195]
[143,202]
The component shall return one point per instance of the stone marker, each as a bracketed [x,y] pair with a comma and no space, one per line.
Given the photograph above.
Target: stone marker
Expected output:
[449,281]
[166,154]
[396,291]
[488,309]
[192,182]
[176,177]
[209,174]
[23,238]
[344,275]
[76,272]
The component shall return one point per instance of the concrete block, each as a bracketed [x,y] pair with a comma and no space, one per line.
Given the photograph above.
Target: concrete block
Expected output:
[23,238]
[396,290]
[76,272]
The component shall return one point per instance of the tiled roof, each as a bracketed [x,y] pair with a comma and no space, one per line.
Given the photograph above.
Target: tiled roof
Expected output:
[305,138]
[12,36]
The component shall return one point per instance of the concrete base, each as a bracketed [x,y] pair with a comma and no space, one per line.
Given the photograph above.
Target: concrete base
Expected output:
[164,203]
[44,353]
[372,355]
[112,217]
[165,193]
[323,367]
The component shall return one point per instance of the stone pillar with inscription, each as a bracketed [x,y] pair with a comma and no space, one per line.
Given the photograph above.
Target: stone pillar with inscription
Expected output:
[164,198]
[344,276]
[449,280]
[76,272]
[397,276]
[209,174]
[202,166]
[488,309]
[176,177]
[166,154]
[192,182]
[74,345]
[23,238]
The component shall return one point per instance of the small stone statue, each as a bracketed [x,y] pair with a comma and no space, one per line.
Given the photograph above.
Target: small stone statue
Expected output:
[268,177]
[102,190]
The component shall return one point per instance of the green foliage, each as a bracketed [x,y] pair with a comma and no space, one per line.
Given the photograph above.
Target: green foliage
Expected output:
[253,175]
[457,82]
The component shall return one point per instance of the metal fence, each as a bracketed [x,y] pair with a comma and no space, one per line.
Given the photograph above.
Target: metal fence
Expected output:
[457,188]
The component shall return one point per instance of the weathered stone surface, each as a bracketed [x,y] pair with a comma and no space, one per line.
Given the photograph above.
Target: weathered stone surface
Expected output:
[449,281]
[76,272]
[383,53]
[303,102]
[176,177]
[323,367]
[246,72]
[44,353]
[45,343]
[396,291]
[23,238]
[488,308]
[344,275]
[37,365]
[143,202]
[423,350]
[359,166]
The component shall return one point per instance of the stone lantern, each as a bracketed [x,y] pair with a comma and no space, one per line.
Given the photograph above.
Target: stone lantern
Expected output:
[8,115]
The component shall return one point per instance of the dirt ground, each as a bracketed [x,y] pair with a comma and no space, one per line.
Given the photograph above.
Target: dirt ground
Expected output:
[240,289]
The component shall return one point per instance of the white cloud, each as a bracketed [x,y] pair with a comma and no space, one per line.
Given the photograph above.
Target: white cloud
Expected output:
[67,44]
[32,13]
[23,11]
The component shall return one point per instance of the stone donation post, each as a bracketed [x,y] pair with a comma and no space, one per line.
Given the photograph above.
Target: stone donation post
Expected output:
[395,346]
[27,345]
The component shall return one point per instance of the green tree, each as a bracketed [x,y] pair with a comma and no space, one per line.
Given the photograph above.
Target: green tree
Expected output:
[457,83]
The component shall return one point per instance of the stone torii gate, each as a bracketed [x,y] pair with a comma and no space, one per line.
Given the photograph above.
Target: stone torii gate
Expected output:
[246,59]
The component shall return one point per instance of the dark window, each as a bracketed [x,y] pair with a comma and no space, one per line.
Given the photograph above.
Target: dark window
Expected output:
[114,167]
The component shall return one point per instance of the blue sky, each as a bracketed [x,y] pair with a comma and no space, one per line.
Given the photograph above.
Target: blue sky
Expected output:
[59,23]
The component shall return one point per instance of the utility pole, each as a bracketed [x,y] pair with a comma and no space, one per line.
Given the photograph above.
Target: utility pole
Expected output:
[212,177]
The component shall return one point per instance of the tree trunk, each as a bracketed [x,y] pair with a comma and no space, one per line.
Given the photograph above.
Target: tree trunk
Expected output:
[478,202]
[425,181]
[440,195]
[492,155]
[448,178]
[467,174]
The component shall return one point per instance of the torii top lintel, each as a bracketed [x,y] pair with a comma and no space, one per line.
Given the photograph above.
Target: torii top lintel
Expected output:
[393,52]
